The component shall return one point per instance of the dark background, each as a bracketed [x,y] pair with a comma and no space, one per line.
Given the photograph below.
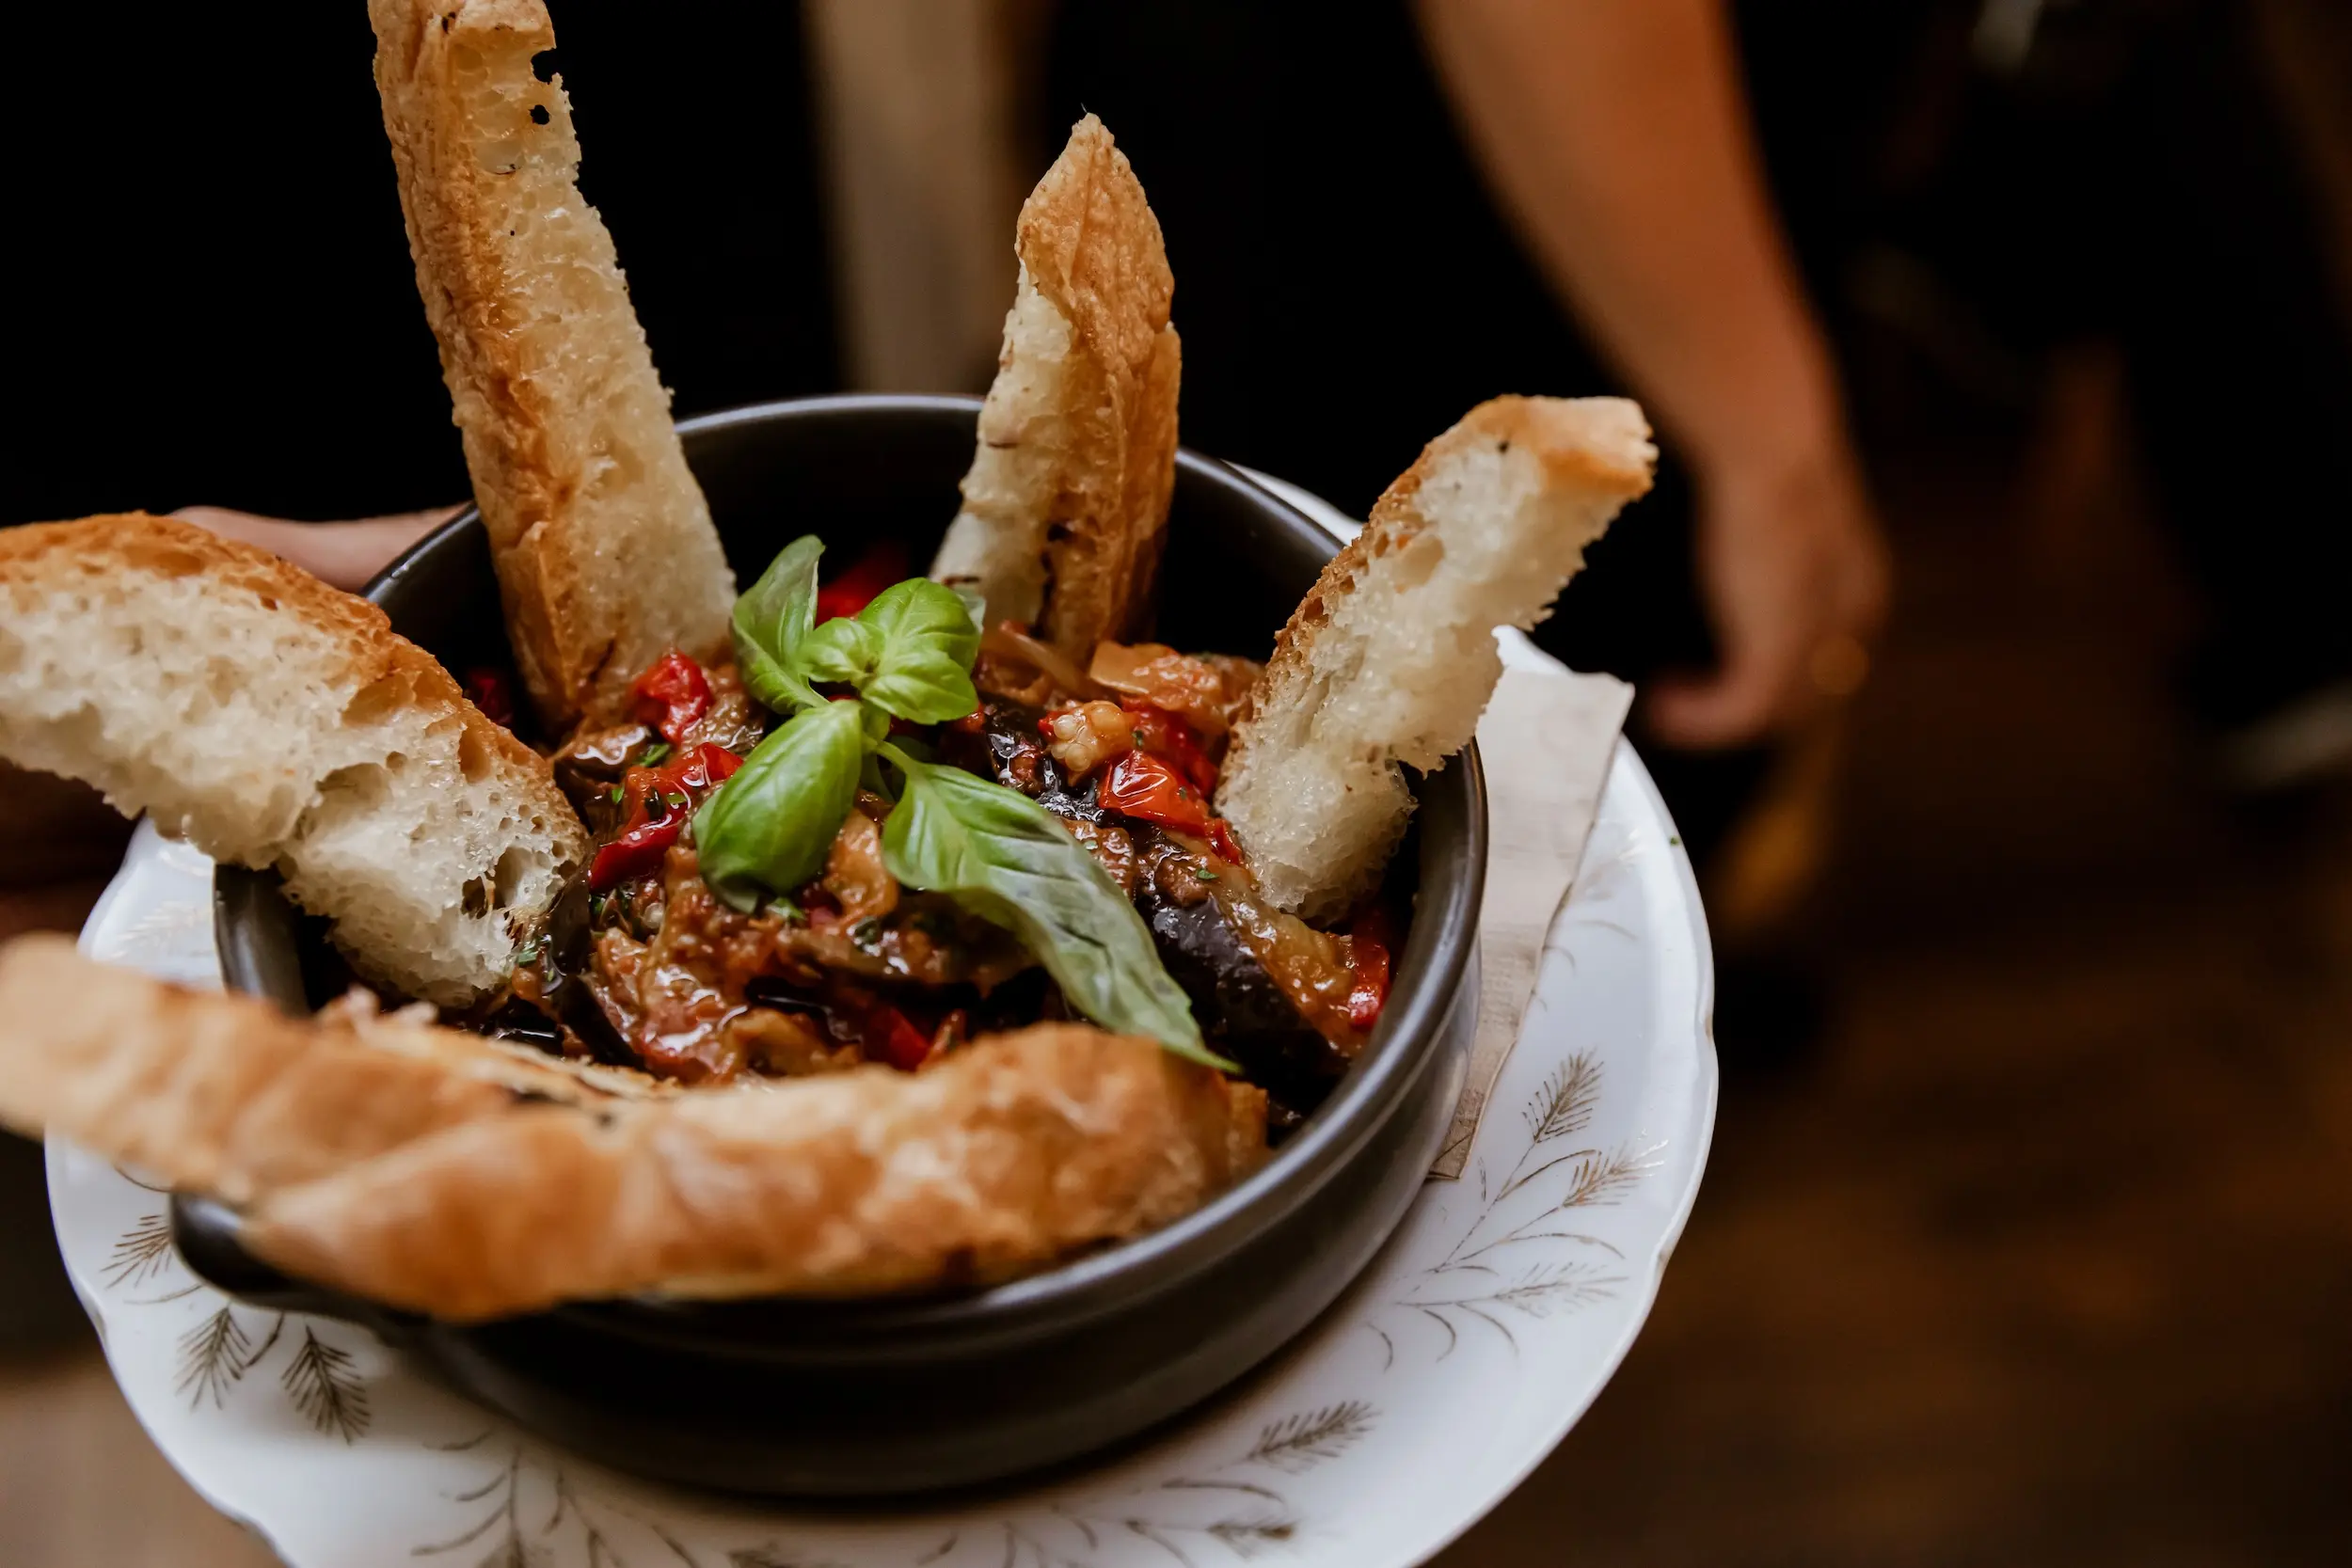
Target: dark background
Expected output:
[214,302]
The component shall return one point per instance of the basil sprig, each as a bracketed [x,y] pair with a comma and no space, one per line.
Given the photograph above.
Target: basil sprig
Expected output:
[771,623]
[1005,858]
[909,653]
[770,828]
[993,851]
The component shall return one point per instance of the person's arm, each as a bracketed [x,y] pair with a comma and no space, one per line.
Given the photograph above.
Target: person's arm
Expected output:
[1617,135]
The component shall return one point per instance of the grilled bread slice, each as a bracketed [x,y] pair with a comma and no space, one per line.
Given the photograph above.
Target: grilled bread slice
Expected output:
[273,721]
[227,1095]
[1001,1159]
[1389,661]
[604,546]
[453,1175]
[1067,496]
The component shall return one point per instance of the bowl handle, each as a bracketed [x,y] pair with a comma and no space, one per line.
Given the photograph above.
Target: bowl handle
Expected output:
[209,1237]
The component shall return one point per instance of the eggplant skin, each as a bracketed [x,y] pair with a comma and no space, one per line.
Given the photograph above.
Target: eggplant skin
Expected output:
[1243,1015]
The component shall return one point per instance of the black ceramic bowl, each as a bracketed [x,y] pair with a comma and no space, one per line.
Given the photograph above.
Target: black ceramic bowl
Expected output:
[905,1394]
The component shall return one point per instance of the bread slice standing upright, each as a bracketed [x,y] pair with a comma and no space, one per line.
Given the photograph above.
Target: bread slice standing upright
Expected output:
[1390,658]
[1068,492]
[273,721]
[605,551]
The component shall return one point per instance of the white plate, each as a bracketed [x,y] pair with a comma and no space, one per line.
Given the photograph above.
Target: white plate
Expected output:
[1460,1358]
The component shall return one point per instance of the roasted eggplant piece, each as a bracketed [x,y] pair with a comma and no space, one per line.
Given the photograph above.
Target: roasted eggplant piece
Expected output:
[1247,1016]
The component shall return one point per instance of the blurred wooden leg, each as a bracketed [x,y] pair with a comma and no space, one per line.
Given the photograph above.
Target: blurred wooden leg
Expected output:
[915,102]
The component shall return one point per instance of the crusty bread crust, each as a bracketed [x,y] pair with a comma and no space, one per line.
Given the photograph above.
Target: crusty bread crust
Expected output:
[450,1174]
[1001,1159]
[273,721]
[1067,498]
[1390,658]
[228,1096]
[604,546]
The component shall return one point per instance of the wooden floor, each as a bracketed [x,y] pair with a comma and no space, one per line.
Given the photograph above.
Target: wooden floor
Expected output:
[81,1486]
[2044,1258]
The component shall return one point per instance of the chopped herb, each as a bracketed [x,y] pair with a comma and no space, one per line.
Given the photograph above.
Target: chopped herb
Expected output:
[1202,874]
[1675,839]
[615,795]
[789,911]
[527,954]
[656,754]
[866,933]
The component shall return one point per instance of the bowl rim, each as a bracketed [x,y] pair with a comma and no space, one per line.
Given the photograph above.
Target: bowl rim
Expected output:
[1106,1279]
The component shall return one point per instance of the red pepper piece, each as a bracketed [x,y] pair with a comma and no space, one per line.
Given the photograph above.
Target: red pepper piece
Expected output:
[854,587]
[1221,840]
[637,853]
[660,801]
[1140,784]
[1369,937]
[717,765]
[672,695]
[902,1045]
[488,691]
[1170,738]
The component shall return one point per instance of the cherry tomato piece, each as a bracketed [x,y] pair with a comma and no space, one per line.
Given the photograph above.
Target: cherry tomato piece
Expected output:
[855,586]
[1170,738]
[672,695]
[489,690]
[637,853]
[1141,786]
[1370,937]
[660,801]
[902,1045]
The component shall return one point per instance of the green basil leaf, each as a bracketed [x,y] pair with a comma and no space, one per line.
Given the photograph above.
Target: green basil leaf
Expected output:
[1005,858]
[770,828]
[925,641]
[840,650]
[771,622]
[975,605]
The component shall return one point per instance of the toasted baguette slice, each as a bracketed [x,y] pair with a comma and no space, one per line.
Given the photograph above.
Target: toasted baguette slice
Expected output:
[227,1095]
[273,721]
[1000,1160]
[1390,660]
[1067,496]
[604,546]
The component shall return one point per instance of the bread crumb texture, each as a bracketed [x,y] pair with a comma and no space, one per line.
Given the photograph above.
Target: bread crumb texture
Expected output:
[605,550]
[1067,497]
[273,721]
[1389,661]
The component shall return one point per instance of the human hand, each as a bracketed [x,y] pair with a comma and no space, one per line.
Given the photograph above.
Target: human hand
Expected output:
[345,554]
[67,839]
[1793,570]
